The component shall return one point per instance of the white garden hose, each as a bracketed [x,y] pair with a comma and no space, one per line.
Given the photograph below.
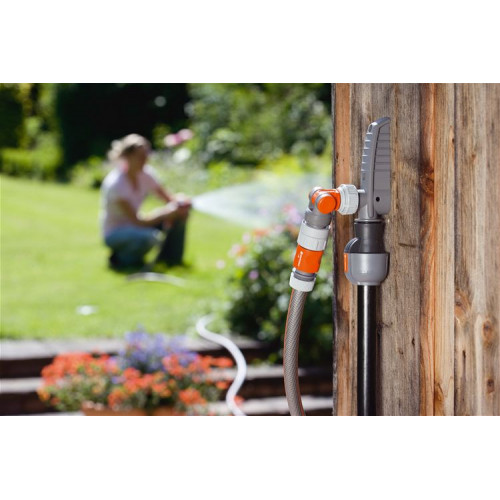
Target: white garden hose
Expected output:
[241,364]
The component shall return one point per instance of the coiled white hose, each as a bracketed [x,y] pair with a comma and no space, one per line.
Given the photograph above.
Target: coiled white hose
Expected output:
[241,364]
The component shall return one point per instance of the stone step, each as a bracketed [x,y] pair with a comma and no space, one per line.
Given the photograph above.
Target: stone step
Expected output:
[264,381]
[277,406]
[18,396]
[26,358]
[272,407]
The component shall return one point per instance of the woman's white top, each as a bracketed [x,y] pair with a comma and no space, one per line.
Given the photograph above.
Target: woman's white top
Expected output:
[117,186]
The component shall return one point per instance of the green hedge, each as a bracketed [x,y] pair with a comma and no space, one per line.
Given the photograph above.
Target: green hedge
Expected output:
[11,116]
[41,163]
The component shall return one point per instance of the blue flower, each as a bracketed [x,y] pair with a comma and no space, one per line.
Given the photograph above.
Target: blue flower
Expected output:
[145,351]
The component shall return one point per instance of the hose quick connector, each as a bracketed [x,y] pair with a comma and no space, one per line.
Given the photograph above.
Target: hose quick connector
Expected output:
[315,229]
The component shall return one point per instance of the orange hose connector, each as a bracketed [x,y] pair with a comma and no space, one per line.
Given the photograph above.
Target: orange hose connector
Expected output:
[307,261]
[326,200]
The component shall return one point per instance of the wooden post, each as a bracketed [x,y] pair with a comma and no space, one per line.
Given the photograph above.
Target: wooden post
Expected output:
[439,311]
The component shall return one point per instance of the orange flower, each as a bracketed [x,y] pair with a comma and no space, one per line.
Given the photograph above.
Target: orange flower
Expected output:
[173,367]
[146,381]
[222,362]
[116,398]
[259,233]
[65,364]
[222,384]
[191,396]
[131,373]
[131,386]
[43,394]
[161,389]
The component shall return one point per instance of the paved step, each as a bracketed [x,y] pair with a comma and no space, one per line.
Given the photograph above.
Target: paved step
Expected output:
[272,407]
[26,358]
[18,396]
[264,381]
[313,406]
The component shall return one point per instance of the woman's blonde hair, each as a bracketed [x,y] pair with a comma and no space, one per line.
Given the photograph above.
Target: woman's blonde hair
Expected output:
[126,145]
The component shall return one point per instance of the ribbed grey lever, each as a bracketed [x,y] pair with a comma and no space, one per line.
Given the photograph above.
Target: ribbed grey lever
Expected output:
[375,193]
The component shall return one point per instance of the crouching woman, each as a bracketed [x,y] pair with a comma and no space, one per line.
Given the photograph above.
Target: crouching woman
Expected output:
[128,234]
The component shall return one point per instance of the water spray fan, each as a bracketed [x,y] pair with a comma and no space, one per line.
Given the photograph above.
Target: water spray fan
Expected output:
[366,263]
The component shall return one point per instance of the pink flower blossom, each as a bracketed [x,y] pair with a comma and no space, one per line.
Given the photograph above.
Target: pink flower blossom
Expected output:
[253,274]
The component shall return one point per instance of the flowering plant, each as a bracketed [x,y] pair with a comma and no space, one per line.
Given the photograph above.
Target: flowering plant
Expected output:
[163,374]
[261,291]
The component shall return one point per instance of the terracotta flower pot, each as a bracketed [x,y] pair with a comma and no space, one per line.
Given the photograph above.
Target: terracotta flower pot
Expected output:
[98,410]
[166,411]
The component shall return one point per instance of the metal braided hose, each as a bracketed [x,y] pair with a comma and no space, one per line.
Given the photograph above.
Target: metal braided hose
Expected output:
[291,352]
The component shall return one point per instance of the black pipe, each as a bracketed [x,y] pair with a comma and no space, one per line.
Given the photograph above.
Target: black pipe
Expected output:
[367,336]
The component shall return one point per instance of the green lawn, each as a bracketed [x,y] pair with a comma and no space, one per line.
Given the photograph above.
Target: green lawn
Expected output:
[52,261]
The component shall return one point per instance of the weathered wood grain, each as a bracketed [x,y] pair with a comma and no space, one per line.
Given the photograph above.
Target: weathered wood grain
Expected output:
[398,334]
[428,113]
[344,327]
[444,256]
[477,263]
[469,256]
[439,311]
[400,293]
[437,184]
[490,335]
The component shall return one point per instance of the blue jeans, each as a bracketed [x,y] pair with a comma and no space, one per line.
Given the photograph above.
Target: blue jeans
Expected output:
[131,243]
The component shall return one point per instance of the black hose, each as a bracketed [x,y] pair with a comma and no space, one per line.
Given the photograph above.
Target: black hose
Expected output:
[367,336]
[291,352]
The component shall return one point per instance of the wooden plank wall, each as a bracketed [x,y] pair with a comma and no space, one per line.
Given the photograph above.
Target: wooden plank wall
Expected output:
[439,310]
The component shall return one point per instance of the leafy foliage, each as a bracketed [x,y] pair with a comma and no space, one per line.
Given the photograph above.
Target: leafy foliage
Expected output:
[259,303]
[41,163]
[32,148]
[247,123]
[11,113]
[233,124]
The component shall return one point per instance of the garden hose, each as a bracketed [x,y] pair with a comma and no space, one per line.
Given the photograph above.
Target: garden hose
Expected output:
[366,263]
[241,365]
[312,239]
[291,352]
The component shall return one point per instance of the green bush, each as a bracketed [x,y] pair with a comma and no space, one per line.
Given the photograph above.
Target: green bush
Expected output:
[259,302]
[40,163]
[247,123]
[11,116]
[90,173]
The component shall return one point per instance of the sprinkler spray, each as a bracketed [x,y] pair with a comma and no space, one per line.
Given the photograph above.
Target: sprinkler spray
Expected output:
[366,263]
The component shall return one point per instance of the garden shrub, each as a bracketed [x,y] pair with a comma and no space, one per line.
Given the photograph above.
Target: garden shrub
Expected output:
[11,113]
[247,123]
[90,173]
[41,163]
[260,294]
